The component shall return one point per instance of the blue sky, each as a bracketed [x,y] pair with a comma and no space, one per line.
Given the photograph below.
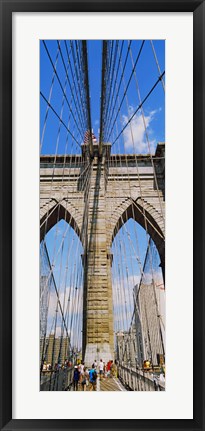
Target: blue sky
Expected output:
[55,139]
[65,252]
[147,74]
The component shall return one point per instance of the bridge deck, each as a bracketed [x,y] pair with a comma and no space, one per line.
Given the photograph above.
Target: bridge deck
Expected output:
[105,384]
[110,384]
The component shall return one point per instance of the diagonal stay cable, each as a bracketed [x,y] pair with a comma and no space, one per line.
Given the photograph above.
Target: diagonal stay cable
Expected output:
[115,76]
[71,89]
[77,77]
[119,86]
[128,83]
[103,92]
[157,63]
[115,82]
[78,66]
[105,122]
[139,107]
[77,91]
[52,108]
[57,293]
[49,98]
[87,93]
[57,76]
[112,82]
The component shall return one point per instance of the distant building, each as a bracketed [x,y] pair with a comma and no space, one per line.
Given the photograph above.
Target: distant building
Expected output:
[126,347]
[44,290]
[52,346]
[148,329]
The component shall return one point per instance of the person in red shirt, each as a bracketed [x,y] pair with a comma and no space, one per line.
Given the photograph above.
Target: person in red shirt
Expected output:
[108,367]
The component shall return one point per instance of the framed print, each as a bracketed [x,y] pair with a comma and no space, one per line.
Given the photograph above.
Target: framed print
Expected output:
[97,99]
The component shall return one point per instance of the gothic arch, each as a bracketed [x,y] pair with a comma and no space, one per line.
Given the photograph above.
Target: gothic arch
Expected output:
[147,216]
[55,213]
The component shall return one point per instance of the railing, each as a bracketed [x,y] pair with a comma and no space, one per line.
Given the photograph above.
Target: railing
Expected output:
[60,380]
[61,165]
[138,380]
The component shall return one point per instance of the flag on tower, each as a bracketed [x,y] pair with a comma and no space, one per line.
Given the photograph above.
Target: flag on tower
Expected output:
[87,137]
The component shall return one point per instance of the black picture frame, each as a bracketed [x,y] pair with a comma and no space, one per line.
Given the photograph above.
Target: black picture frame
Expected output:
[7,8]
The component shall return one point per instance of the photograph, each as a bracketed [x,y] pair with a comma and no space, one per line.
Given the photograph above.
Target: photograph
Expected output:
[102,137]
[87,135]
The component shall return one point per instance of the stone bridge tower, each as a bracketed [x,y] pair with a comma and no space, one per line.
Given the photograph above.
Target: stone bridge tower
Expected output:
[96,198]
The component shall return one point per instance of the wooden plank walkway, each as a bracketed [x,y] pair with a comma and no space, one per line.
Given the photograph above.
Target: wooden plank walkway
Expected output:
[110,384]
[105,384]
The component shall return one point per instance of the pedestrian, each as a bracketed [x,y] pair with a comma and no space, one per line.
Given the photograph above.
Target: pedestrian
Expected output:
[101,368]
[76,375]
[108,368]
[111,368]
[93,378]
[156,382]
[85,379]
[95,363]
[161,381]
[114,369]
[81,367]
[105,370]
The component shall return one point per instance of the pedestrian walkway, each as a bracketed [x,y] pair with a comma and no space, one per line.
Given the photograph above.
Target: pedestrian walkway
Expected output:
[105,384]
[111,384]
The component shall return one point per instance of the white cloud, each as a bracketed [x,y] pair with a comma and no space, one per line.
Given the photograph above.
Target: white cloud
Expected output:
[134,134]
[59,332]
[156,274]
[73,307]
[128,282]
[123,294]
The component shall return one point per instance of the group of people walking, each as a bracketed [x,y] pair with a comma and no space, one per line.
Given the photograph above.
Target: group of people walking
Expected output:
[86,379]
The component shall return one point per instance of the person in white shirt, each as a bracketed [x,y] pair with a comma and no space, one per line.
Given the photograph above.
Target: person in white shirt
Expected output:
[101,368]
[161,381]
[81,367]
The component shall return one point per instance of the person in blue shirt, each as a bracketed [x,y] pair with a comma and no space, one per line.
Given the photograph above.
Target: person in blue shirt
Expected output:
[76,376]
[93,378]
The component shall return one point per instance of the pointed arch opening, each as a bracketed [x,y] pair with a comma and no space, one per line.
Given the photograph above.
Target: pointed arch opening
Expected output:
[138,289]
[151,223]
[61,296]
[53,215]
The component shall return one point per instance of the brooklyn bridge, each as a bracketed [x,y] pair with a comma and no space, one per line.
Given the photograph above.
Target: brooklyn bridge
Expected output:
[102,214]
